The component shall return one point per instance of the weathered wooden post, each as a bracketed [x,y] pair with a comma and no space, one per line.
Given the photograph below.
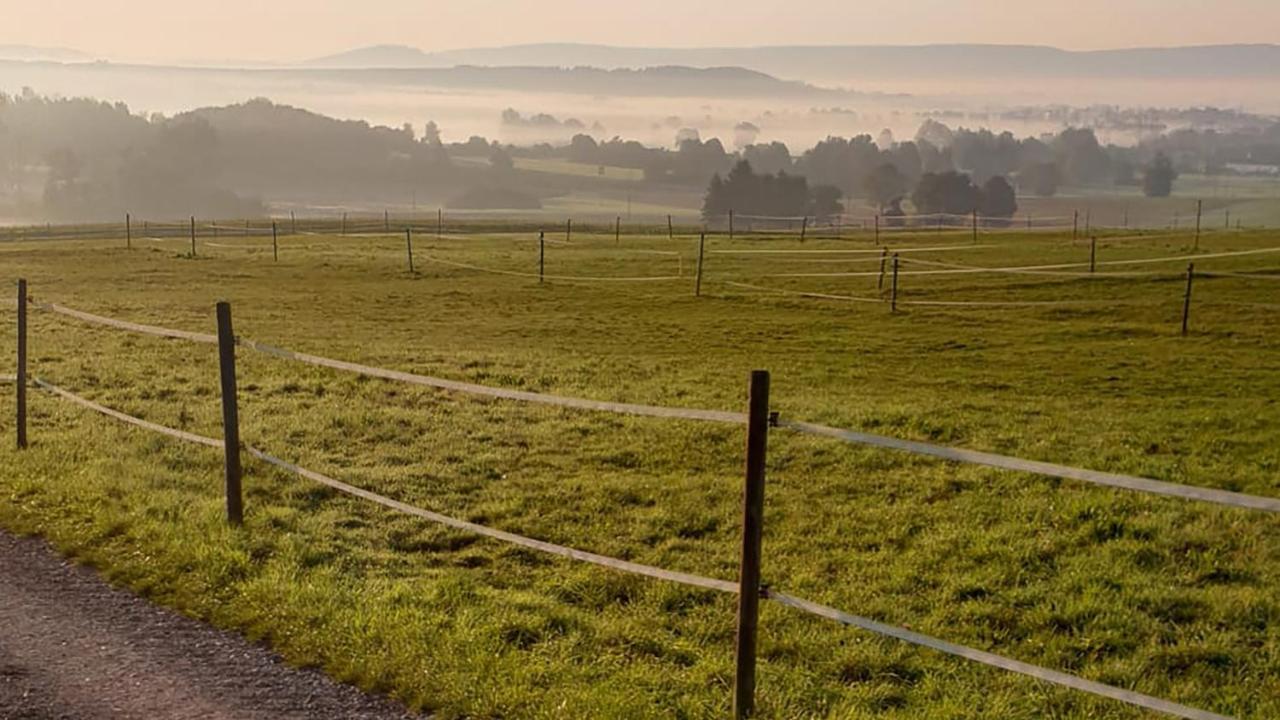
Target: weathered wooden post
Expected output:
[804,227]
[275,242]
[697,283]
[230,414]
[671,229]
[344,224]
[542,254]
[1075,226]
[884,258]
[128,231]
[568,230]
[293,223]
[750,587]
[893,297]
[386,221]
[21,379]
[1186,300]
[1199,210]
[617,231]
[193,236]
[877,228]
[975,227]
[408,245]
[439,223]
[730,223]
[1093,255]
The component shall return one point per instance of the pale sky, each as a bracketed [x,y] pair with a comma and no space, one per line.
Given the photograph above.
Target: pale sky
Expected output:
[289,30]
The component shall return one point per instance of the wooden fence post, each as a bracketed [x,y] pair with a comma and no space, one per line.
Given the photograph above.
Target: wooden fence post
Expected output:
[1088,221]
[884,258]
[344,224]
[246,228]
[439,223]
[1228,226]
[386,221]
[877,228]
[408,245]
[750,587]
[21,379]
[893,297]
[804,227]
[568,230]
[128,231]
[975,227]
[1075,226]
[293,223]
[730,223]
[617,231]
[1093,255]
[230,414]
[275,242]
[542,254]
[1186,300]
[671,229]
[1199,210]
[697,283]
[193,236]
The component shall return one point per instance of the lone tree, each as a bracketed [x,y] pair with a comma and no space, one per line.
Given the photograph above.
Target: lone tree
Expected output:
[1159,177]
[884,185]
[948,193]
[998,198]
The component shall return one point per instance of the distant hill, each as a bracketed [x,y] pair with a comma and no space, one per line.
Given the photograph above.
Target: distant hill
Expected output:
[30,53]
[670,81]
[824,63]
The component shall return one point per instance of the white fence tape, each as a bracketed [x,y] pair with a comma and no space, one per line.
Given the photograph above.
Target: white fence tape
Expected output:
[1189,492]
[868,251]
[562,278]
[520,395]
[975,457]
[911,637]
[123,325]
[1050,676]
[153,427]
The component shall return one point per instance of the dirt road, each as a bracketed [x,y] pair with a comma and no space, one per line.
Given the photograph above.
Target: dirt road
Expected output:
[74,648]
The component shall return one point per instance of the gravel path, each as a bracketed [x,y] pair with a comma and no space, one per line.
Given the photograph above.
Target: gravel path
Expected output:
[74,648]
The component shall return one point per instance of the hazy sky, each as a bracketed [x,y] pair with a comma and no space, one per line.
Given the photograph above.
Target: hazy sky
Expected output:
[287,30]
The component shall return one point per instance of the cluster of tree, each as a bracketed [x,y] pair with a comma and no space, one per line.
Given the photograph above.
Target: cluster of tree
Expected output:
[780,195]
[954,193]
[77,159]
[88,159]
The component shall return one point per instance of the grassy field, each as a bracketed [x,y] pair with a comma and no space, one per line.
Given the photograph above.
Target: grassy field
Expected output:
[1171,598]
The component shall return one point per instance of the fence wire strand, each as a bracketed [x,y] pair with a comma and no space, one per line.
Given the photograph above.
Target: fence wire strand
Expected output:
[905,635]
[1127,482]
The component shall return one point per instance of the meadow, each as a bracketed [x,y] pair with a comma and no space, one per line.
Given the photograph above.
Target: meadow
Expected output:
[1172,598]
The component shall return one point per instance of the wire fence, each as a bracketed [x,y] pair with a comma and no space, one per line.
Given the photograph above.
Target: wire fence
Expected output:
[896,265]
[758,422]
[442,222]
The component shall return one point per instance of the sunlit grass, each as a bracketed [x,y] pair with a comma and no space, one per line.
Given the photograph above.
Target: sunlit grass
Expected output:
[1174,599]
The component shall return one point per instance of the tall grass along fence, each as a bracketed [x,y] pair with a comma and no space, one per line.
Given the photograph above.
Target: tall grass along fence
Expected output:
[759,422]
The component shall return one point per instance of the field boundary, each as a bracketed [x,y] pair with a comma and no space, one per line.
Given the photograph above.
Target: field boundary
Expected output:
[758,422]
[899,633]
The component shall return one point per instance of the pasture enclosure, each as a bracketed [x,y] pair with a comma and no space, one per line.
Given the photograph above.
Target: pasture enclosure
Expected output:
[1096,581]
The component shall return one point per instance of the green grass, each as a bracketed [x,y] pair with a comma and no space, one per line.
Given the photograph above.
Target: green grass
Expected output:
[1171,598]
[565,167]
